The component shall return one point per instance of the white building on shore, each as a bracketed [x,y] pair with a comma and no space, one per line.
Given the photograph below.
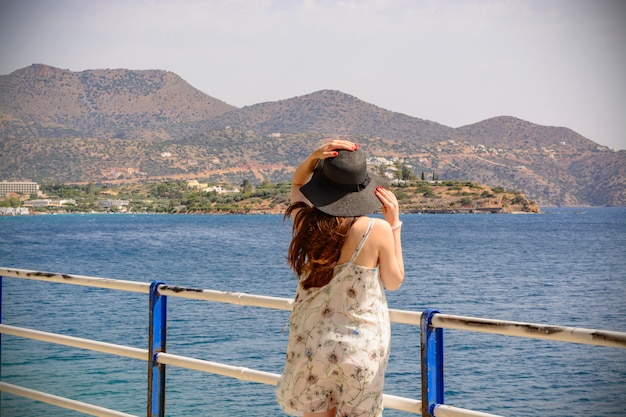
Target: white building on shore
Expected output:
[46,202]
[18,187]
[113,204]
[14,211]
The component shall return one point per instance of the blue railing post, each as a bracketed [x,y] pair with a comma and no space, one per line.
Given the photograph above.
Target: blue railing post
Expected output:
[431,343]
[156,343]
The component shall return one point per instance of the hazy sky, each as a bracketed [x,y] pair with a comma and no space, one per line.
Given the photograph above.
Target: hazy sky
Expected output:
[550,62]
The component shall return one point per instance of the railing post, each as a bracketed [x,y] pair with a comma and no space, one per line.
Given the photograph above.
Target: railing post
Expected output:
[156,344]
[431,343]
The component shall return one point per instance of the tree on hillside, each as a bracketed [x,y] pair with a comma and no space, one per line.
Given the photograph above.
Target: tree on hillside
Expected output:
[404,172]
[246,186]
[11,202]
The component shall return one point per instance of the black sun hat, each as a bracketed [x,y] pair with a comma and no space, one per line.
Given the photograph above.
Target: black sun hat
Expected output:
[342,187]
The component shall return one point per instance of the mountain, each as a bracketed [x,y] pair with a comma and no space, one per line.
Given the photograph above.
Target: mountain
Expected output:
[559,165]
[111,103]
[329,112]
[126,126]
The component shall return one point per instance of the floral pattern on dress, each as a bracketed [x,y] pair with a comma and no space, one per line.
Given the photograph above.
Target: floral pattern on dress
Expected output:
[338,345]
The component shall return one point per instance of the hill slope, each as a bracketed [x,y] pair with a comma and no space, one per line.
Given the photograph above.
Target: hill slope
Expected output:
[111,103]
[330,112]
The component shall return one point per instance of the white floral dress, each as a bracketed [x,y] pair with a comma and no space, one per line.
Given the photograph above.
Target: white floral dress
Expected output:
[338,344]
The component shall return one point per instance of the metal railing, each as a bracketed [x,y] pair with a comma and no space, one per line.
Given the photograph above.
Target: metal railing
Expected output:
[431,324]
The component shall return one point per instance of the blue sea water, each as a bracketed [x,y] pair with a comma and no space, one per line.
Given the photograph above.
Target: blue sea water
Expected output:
[563,267]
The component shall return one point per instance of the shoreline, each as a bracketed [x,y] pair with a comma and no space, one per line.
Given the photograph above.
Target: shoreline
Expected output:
[280,213]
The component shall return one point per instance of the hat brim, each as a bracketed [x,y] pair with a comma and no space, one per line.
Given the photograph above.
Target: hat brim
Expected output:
[340,203]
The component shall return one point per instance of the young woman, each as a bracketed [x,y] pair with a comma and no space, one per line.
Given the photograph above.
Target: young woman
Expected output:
[340,332]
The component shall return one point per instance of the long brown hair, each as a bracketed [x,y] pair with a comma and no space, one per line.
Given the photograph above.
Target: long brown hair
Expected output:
[317,239]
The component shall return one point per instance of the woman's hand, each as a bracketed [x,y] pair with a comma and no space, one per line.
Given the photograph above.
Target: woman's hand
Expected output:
[391,208]
[329,149]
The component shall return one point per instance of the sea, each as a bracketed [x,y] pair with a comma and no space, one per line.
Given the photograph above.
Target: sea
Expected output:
[565,266]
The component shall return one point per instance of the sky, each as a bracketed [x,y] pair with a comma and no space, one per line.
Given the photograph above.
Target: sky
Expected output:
[549,62]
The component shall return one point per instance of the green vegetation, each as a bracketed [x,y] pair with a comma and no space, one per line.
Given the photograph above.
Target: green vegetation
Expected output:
[11,202]
[187,197]
[168,197]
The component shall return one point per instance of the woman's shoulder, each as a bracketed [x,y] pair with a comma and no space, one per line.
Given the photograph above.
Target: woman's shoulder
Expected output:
[379,226]
[380,232]
[378,223]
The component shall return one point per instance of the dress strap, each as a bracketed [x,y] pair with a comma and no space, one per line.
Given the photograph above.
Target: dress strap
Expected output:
[363,239]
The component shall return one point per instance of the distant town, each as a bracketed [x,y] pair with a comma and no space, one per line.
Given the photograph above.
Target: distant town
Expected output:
[424,194]
[25,197]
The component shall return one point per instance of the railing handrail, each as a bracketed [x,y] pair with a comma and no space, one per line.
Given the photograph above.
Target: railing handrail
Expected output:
[87,281]
[78,342]
[70,404]
[445,321]
[532,330]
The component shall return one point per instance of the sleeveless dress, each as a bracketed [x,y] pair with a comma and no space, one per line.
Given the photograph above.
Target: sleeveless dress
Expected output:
[338,344]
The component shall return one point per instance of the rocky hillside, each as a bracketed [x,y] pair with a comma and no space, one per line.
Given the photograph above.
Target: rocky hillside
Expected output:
[127,126]
[101,103]
[330,112]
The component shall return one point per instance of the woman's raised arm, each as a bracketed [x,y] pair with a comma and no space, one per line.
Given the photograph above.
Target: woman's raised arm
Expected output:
[304,171]
[391,262]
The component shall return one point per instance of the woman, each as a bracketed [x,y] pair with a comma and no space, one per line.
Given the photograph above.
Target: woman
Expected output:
[339,337]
